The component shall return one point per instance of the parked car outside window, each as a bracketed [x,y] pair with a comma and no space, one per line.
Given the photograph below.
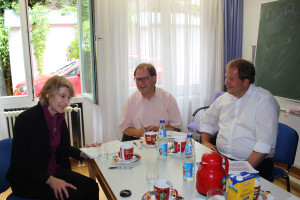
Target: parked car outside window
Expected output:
[70,71]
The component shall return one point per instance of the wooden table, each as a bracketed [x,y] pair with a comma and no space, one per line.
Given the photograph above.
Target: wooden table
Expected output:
[113,181]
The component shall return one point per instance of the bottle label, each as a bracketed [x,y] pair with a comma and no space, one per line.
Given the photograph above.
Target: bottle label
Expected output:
[188,170]
[188,150]
[162,133]
[162,149]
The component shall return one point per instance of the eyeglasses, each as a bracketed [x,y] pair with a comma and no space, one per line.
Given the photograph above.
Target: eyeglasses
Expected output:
[143,79]
[62,96]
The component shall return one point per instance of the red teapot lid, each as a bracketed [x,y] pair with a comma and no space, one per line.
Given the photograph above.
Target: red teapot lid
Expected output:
[211,157]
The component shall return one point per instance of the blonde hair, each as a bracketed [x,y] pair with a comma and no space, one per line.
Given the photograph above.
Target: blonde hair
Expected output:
[51,87]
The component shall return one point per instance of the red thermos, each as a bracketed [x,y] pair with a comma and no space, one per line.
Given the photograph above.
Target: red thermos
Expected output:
[211,173]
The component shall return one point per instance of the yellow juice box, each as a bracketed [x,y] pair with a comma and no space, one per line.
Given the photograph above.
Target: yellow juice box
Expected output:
[241,186]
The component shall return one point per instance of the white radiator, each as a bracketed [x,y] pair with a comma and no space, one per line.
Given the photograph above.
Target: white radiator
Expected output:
[68,118]
[11,118]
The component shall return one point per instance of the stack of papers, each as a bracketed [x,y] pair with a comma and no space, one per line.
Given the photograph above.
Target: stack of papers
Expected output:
[109,148]
[236,167]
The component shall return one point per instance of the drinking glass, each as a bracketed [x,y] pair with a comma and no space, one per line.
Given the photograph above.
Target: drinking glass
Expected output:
[102,152]
[216,194]
[151,169]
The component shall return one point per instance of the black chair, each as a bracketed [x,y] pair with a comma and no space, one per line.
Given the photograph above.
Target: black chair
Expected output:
[5,151]
[194,125]
[126,138]
[286,147]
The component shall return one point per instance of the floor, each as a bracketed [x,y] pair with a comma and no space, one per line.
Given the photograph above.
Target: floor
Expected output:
[295,188]
[75,167]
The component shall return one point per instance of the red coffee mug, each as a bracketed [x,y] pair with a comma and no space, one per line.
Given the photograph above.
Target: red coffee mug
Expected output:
[256,189]
[163,190]
[179,144]
[126,152]
[150,138]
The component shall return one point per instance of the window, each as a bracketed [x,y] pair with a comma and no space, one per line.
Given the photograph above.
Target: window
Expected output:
[46,40]
[167,39]
[86,43]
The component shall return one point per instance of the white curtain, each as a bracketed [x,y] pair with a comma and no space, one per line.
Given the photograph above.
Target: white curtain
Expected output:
[182,39]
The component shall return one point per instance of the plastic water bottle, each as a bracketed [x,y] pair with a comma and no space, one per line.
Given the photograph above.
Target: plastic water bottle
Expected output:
[162,129]
[189,160]
[162,148]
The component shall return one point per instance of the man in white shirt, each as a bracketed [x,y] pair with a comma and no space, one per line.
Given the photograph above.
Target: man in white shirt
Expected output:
[147,106]
[248,119]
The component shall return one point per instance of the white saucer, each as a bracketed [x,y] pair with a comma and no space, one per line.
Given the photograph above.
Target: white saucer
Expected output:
[143,142]
[148,145]
[150,194]
[117,159]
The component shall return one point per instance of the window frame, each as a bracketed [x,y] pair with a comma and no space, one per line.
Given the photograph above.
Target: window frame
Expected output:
[21,101]
[29,99]
[93,97]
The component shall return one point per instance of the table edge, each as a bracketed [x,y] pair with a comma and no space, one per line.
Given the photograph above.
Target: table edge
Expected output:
[94,171]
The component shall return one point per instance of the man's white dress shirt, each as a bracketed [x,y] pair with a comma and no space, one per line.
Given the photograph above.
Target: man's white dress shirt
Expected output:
[247,124]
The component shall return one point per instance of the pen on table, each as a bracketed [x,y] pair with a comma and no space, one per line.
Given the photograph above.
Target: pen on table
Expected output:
[142,125]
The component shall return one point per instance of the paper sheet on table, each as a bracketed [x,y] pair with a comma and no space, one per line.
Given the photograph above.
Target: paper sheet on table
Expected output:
[236,167]
[110,148]
[176,134]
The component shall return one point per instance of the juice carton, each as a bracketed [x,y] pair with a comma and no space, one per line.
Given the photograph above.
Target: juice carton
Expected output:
[241,186]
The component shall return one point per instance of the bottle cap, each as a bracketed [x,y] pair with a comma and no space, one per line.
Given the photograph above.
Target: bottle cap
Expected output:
[189,135]
[162,121]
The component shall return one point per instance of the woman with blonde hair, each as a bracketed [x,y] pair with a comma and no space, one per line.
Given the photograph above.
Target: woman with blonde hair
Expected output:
[40,166]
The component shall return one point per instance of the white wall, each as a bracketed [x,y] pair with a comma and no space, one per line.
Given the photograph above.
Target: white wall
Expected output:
[251,25]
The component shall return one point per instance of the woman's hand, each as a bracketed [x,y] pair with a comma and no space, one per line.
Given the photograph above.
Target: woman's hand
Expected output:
[97,144]
[59,186]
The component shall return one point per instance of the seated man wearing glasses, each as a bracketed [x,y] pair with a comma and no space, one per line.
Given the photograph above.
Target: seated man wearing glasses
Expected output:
[144,108]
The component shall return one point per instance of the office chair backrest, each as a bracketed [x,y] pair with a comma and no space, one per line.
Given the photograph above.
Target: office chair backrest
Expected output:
[219,93]
[194,125]
[5,151]
[286,145]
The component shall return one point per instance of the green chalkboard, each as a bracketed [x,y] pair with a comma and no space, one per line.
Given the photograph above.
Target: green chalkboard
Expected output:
[277,61]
